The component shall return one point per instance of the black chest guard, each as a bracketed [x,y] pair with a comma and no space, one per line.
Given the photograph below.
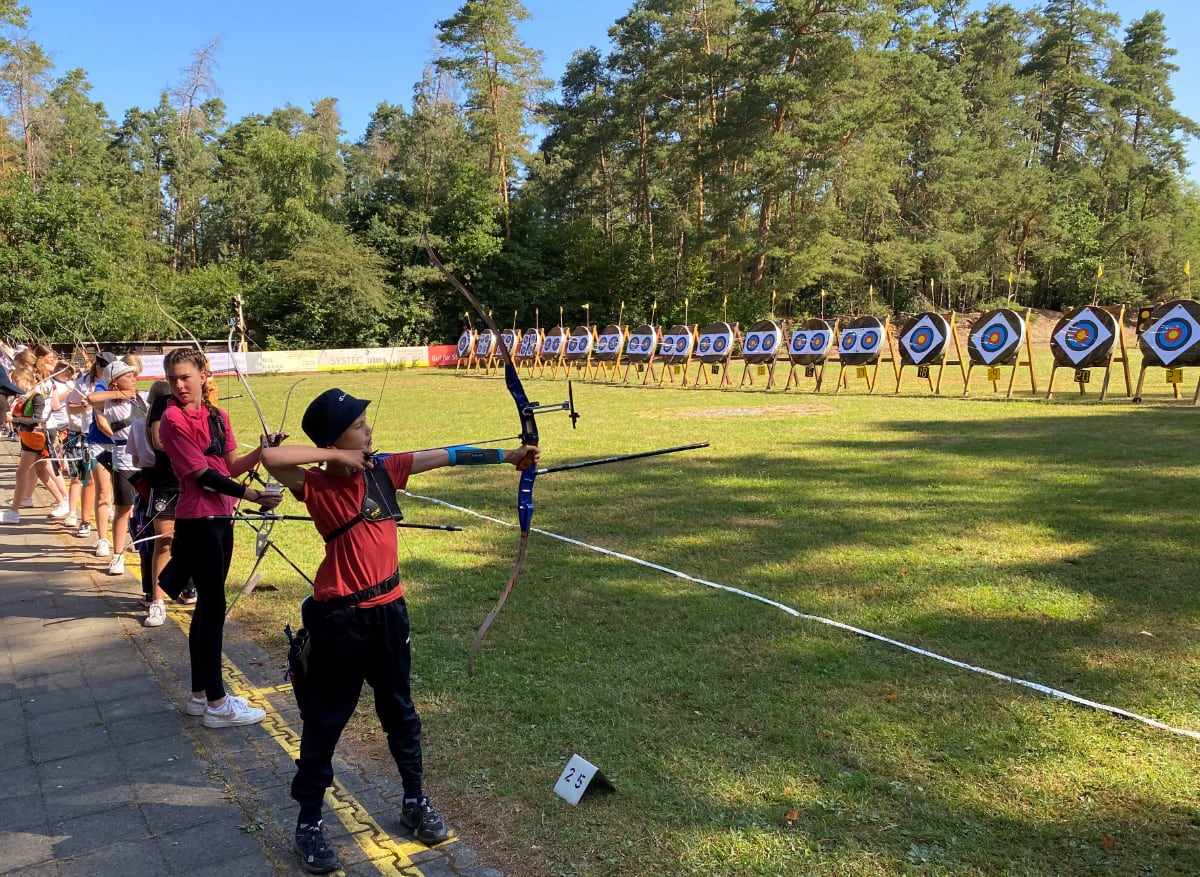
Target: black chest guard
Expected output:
[379,501]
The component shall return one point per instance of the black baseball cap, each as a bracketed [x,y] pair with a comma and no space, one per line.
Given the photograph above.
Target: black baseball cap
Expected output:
[329,415]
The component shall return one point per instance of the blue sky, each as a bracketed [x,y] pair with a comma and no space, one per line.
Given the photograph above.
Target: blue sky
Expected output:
[363,52]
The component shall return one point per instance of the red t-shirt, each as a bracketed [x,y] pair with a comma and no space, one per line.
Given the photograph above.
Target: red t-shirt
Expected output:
[364,555]
[185,437]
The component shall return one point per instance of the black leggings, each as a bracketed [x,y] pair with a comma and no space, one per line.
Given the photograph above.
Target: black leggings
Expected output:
[202,550]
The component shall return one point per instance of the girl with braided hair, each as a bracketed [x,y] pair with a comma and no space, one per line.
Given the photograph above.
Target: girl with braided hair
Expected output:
[198,439]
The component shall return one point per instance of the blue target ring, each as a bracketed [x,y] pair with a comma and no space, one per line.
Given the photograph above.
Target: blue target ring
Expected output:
[816,342]
[752,344]
[1174,334]
[719,344]
[768,342]
[921,340]
[848,341]
[870,339]
[994,339]
[1081,336]
[705,343]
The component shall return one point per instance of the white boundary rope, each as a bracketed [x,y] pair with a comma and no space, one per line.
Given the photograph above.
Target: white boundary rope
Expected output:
[1003,677]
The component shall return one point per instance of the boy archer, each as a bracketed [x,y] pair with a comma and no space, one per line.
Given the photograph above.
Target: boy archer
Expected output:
[356,618]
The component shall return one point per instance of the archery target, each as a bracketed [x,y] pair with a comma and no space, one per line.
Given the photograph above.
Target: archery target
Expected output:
[552,344]
[485,344]
[508,338]
[923,338]
[996,338]
[642,344]
[716,342]
[579,345]
[1173,336]
[861,341]
[762,341]
[610,343]
[811,343]
[1084,337]
[677,345]
[465,342]
[530,342]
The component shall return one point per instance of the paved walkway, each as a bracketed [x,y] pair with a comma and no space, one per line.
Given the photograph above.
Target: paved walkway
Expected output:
[102,773]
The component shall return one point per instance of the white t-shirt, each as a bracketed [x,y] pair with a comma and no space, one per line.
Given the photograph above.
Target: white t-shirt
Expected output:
[118,410]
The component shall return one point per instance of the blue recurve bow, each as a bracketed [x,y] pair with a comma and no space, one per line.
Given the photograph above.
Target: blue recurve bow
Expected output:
[526,412]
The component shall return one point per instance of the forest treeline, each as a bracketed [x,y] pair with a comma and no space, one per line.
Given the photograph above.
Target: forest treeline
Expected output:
[727,159]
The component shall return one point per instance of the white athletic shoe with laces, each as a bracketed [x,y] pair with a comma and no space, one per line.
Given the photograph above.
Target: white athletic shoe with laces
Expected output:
[233,712]
[103,549]
[116,566]
[10,517]
[60,510]
[71,520]
[156,614]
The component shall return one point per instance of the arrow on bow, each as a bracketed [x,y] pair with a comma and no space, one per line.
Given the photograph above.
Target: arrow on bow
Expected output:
[526,413]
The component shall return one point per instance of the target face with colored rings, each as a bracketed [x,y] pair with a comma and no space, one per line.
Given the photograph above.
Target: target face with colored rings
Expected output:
[1084,337]
[861,341]
[996,338]
[761,342]
[608,345]
[465,342]
[923,338]
[715,342]
[811,343]
[529,346]
[485,344]
[1173,336]
[642,343]
[677,344]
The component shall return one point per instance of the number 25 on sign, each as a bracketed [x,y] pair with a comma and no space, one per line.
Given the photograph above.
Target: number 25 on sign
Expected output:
[577,778]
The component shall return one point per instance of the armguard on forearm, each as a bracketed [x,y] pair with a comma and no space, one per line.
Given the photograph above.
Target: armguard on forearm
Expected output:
[212,480]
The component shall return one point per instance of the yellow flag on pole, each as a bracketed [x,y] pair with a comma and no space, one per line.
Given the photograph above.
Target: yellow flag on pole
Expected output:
[1099,270]
[1187,267]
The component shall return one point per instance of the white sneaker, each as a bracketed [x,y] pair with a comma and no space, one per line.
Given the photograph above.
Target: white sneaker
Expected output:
[71,520]
[60,510]
[103,549]
[233,712]
[155,615]
[116,566]
[195,706]
[27,502]
[10,517]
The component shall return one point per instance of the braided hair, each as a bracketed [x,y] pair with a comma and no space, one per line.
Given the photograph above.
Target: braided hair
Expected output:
[216,423]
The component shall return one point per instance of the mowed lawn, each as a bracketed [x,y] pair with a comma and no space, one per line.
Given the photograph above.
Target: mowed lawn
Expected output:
[1055,542]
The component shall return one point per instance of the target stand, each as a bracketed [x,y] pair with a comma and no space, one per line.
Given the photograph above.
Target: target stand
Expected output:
[485,351]
[674,354]
[1092,336]
[1170,341]
[925,342]
[714,352]
[1000,338]
[641,346]
[759,349]
[865,344]
[580,347]
[553,349]
[610,352]
[811,348]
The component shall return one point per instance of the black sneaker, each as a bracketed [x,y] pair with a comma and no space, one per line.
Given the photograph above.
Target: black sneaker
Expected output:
[423,821]
[318,856]
[188,596]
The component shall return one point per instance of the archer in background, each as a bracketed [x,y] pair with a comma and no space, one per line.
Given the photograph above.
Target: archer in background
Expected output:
[199,442]
[356,620]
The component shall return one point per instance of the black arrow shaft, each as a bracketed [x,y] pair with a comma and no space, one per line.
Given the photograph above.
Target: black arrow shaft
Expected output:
[583,464]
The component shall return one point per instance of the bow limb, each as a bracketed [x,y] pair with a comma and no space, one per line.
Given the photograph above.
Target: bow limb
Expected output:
[528,435]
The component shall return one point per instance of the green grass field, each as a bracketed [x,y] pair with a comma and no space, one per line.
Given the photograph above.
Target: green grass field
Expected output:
[1055,542]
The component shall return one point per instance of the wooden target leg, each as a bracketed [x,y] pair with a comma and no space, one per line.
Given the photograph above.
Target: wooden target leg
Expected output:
[1137,394]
